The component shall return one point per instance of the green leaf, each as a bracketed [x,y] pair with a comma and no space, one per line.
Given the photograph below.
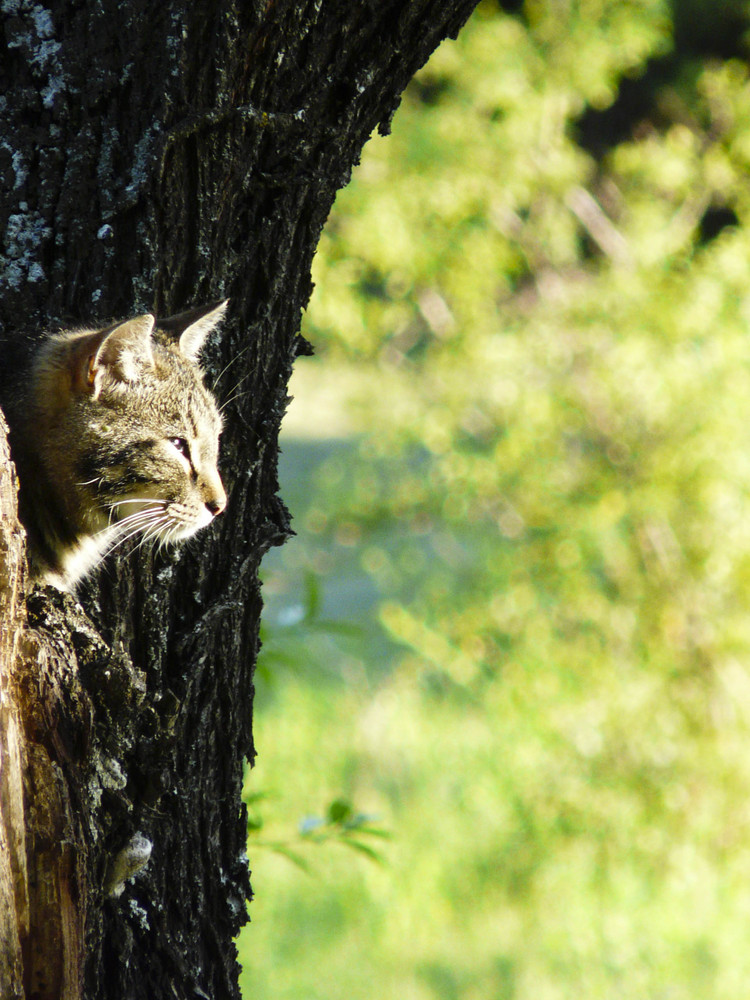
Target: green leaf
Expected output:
[339,811]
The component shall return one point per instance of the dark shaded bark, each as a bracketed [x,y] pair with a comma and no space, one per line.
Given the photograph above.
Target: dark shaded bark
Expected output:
[154,156]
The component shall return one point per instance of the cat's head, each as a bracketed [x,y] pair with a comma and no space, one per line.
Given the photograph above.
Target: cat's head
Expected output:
[134,432]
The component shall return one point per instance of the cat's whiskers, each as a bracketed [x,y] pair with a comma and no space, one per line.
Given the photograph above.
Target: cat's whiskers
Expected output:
[145,525]
[157,500]
[136,515]
[170,535]
[156,522]
[226,367]
[236,395]
[158,504]
[119,525]
[155,530]
[140,519]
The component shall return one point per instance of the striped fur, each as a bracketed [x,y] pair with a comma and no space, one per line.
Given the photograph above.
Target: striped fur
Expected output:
[115,436]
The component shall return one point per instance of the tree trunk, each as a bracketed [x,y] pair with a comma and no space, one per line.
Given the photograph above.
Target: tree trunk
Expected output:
[154,156]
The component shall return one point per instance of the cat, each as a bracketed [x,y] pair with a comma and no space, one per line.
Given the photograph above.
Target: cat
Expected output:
[114,435]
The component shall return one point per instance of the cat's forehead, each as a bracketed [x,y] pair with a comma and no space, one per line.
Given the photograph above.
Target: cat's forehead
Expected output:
[193,401]
[174,394]
[202,411]
[198,410]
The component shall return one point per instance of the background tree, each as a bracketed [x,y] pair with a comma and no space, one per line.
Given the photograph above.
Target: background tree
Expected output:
[154,156]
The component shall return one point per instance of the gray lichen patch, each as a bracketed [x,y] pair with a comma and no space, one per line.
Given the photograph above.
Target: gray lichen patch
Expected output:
[31,30]
[30,34]
[25,234]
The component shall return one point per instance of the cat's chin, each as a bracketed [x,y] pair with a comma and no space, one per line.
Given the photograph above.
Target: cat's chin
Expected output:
[178,533]
[80,559]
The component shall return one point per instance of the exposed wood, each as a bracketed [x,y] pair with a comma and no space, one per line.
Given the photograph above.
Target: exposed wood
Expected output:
[14,895]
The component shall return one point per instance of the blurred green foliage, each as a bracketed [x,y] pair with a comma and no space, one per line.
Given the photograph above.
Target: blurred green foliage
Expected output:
[532,310]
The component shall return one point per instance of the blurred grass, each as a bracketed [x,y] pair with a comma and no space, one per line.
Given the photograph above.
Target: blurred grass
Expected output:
[513,631]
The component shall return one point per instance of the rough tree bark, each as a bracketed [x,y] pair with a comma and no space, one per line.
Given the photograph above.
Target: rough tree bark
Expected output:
[153,156]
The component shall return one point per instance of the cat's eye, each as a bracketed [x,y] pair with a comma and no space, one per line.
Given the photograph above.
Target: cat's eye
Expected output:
[181,445]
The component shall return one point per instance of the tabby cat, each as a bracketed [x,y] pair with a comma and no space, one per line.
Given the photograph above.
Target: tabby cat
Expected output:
[115,435]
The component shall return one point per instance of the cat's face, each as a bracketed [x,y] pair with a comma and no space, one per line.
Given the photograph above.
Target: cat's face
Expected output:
[151,447]
[132,433]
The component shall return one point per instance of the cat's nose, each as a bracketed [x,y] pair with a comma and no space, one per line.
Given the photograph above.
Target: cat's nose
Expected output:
[217,499]
[216,504]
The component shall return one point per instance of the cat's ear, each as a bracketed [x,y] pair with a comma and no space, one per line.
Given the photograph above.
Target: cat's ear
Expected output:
[122,351]
[125,349]
[191,328]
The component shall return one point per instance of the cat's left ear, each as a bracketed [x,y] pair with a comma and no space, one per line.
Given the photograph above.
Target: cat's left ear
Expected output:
[124,350]
[193,327]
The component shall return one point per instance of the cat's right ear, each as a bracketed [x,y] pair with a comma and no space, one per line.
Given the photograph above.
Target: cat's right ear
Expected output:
[191,328]
[122,351]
